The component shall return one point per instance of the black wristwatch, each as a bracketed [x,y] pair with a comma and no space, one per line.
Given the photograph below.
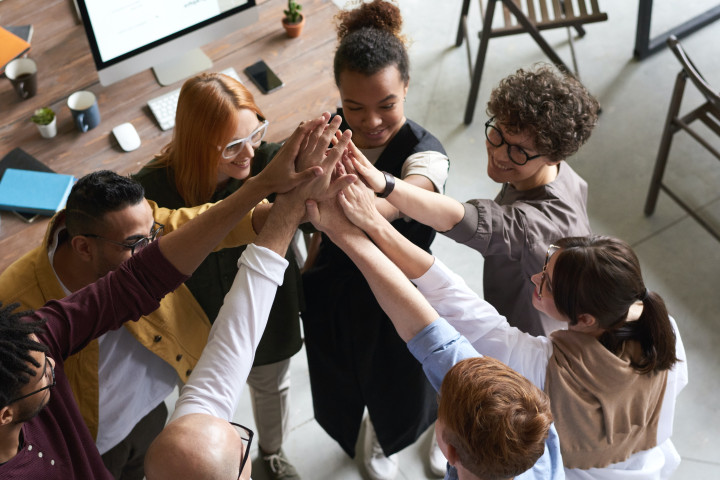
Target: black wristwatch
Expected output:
[389,185]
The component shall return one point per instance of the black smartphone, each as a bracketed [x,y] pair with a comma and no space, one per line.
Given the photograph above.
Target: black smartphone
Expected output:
[262,76]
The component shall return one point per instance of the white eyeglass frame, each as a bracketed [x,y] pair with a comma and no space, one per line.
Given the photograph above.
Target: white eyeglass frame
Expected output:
[262,128]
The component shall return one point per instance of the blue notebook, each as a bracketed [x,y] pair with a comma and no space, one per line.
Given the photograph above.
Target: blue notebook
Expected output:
[31,191]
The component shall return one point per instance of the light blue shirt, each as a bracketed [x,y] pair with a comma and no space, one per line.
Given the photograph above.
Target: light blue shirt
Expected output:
[438,347]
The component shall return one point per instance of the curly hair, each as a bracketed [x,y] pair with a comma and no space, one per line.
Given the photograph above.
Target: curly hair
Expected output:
[496,419]
[370,40]
[554,108]
[15,348]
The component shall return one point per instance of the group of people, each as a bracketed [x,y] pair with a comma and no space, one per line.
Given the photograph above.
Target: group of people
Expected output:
[567,367]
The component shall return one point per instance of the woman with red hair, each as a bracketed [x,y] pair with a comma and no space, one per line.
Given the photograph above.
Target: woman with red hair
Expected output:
[217,144]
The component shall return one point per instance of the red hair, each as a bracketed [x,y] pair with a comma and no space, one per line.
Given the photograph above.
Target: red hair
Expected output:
[205,121]
[496,420]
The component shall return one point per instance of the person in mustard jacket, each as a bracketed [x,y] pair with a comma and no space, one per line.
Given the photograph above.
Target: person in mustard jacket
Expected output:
[120,381]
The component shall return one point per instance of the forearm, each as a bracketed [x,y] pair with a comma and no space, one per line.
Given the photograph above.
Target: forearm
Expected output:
[401,301]
[260,215]
[479,322]
[242,233]
[392,212]
[282,222]
[188,246]
[412,260]
[218,378]
[429,208]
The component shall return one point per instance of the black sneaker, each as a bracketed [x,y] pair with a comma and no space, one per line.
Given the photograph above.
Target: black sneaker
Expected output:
[279,467]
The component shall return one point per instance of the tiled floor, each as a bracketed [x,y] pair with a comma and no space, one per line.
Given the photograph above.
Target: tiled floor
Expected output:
[680,260]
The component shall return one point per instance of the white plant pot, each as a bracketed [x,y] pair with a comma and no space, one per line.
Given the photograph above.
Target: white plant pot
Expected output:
[49,130]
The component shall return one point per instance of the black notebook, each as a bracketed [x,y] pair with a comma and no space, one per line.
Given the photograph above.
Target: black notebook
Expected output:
[20,159]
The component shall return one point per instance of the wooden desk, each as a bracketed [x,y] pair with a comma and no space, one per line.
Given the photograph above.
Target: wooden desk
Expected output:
[65,64]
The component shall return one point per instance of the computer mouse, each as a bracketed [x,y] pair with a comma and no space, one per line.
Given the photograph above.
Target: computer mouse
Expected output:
[126,136]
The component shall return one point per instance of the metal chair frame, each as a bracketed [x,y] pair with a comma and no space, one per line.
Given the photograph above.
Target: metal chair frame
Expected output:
[708,113]
[561,15]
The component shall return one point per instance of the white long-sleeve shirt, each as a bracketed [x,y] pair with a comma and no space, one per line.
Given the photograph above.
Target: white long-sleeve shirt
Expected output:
[491,335]
[216,383]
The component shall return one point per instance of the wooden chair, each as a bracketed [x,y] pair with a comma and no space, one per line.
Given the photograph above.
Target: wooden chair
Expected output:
[708,113]
[524,16]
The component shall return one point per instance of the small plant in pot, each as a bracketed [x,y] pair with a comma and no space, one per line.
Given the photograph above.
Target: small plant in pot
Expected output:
[293,21]
[46,121]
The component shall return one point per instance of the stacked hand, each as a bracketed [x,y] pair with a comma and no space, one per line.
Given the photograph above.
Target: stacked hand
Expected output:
[360,165]
[350,213]
[305,171]
[307,152]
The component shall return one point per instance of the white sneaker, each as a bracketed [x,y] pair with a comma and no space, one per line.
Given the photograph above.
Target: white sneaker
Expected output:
[438,463]
[378,466]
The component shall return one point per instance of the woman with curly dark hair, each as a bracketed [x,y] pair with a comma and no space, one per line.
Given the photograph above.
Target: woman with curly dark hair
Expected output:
[538,118]
[356,360]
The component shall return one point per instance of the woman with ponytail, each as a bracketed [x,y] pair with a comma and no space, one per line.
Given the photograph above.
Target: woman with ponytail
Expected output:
[612,377]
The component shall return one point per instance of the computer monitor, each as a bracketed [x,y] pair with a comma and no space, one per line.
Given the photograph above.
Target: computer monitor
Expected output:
[128,36]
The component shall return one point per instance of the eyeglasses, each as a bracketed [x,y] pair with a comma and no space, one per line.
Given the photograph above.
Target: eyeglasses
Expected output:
[516,154]
[544,271]
[138,244]
[236,146]
[46,387]
[246,435]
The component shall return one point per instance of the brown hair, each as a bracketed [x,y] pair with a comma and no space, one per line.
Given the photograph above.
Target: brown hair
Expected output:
[601,276]
[495,418]
[553,108]
[205,120]
[370,40]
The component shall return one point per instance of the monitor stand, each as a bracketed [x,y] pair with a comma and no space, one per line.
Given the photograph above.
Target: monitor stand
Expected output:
[192,62]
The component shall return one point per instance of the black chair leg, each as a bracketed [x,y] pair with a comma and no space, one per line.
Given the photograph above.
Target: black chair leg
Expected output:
[461,25]
[479,63]
[665,143]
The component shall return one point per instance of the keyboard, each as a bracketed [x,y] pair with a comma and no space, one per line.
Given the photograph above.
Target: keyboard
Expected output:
[163,107]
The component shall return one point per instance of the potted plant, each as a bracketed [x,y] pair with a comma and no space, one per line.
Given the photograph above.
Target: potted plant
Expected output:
[46,122]
[293,21]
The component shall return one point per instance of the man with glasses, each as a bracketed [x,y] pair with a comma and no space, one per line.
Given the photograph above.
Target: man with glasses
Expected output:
[55,443]
[539,118]
[106,221]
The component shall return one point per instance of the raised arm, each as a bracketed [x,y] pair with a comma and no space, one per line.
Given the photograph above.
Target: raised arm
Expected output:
[357,202]
[406,307]
[448,294]
[410,197]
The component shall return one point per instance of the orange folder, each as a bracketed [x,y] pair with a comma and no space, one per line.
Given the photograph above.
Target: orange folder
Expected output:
[11,47]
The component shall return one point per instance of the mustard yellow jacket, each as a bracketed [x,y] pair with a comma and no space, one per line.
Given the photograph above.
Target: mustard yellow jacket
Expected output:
[175,332]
